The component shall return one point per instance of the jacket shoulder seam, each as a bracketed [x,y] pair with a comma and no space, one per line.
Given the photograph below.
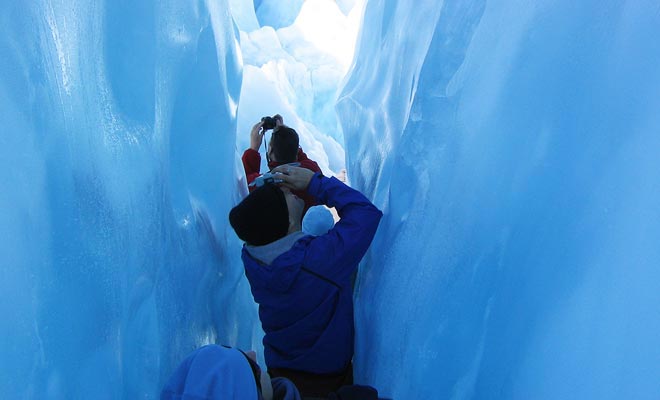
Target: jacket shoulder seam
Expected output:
[323,278]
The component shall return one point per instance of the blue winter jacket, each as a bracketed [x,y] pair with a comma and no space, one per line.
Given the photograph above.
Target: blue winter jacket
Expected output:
[305,294]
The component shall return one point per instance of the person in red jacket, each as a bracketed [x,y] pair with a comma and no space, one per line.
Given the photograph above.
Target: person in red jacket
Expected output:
[283,148]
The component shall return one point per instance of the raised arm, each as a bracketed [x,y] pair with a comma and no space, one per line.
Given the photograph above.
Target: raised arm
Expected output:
[343,247]
[338,252]
[251,157]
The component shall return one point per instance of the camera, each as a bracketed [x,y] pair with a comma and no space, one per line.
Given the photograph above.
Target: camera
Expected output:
[266,178]
[269,123]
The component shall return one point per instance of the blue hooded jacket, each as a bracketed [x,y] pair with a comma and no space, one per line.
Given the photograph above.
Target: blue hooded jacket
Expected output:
[217,372]
[304,288]
[212,372]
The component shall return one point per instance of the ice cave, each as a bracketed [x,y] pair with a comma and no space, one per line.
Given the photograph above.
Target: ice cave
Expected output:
[513,147]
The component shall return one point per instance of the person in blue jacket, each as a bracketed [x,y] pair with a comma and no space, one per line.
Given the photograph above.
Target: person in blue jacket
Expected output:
[302,283]
[215,372]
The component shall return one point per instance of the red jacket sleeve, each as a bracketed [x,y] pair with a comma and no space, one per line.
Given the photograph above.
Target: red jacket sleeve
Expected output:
[251,163]
[306,162]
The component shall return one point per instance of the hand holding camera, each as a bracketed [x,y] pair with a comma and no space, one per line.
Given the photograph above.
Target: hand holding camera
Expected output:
[272,122]
[293,177]
[274,176]
[260,128]
[256,136]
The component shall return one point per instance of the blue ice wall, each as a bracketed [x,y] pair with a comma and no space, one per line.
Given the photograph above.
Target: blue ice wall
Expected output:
[515,149]
[117,170]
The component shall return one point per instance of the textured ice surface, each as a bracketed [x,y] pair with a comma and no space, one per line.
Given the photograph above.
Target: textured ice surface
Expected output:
[512,145]
[514,149]
[295,69]
[117,171]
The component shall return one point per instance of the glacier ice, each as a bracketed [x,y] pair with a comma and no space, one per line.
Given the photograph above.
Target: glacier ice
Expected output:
[513,147]
[118,170]
[295,70]
[276,14]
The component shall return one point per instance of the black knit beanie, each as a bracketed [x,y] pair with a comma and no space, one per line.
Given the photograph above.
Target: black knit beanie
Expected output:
[262,217]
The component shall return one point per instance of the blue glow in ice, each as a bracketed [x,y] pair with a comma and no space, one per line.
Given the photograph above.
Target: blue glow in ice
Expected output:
[513,146]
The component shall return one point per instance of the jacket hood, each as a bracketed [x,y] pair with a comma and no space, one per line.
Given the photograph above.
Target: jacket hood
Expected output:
[212,372]
[277,263]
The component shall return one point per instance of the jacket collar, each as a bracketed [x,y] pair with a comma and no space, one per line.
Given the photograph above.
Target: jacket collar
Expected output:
[269,252]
